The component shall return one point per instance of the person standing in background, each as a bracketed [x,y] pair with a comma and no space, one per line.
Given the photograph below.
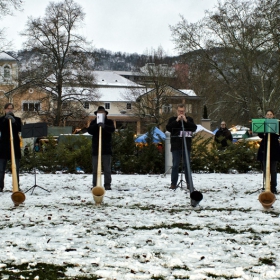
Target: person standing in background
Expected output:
[223,136]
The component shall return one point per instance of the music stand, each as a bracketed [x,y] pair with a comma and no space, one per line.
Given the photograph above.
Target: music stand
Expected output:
[181,181]
[180,184]
[33,130]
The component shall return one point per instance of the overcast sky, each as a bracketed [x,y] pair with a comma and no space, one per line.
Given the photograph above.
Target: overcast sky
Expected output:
[119,25]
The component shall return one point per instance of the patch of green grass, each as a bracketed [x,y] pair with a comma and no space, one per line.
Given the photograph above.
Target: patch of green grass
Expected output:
[184,267]
[226,209]
[184,226]
[141,207]
[101,233]
[227,229]
[267,261]
[158,277]
[43,270]
[115,227]
[221,276]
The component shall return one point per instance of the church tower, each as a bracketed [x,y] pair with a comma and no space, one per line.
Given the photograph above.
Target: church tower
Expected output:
[8,75]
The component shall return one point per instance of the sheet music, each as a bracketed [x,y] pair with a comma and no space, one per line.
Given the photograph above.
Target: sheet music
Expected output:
[186,133]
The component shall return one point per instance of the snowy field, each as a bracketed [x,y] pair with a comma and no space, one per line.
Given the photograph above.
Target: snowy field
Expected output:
[143,230]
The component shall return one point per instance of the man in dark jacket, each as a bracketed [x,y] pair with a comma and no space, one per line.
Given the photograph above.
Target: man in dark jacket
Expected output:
[5,143]
[174,126]
[106,147]
[223,136]
[274,153]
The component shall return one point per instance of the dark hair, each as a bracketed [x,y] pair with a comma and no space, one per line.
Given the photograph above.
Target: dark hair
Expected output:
[181,106]
[8,104]
[269,111]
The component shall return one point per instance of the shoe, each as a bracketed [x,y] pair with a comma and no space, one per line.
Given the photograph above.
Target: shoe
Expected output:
[274,191]
[1,190]
[108,188]
[172,187]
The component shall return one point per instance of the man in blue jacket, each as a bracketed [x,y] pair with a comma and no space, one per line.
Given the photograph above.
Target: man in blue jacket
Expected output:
[106,146]
[174,126]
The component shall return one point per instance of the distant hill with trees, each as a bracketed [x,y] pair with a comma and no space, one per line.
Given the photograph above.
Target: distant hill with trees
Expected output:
[103,59]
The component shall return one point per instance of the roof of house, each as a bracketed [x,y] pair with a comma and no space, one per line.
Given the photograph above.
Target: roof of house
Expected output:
[189,92]
[5,56]
[115,94]
[27,86]
[112,79]
[202,128]
[180,92]
[129,73]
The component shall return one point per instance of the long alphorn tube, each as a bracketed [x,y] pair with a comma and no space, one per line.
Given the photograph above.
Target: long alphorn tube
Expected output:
[195,196]
[98,179]
[17,196]
[98,191]
[267,198]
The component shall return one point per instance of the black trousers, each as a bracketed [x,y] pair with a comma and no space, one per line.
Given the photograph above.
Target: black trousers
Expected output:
[273,174]
[106,164]
[3,164]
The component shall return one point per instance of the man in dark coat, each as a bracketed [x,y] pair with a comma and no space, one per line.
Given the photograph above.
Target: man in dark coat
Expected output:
[106,147]
[274,153]
[5,143]
[223,136]
[174,126]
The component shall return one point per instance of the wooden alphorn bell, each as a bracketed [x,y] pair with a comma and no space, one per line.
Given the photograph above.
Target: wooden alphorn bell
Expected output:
[98,191]
[267,198]
[18,197]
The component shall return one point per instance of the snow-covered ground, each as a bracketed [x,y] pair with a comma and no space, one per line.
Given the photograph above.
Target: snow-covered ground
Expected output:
[143,230]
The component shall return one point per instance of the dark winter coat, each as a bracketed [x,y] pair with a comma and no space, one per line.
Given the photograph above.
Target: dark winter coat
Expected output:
[274,147]
[175,128]
[5,142]
[222,136]
[107,130]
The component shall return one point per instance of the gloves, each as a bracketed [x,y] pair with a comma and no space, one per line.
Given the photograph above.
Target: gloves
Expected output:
[10,117]
[101,124]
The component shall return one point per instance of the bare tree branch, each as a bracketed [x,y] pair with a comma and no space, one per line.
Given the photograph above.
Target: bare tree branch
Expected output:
[65,60]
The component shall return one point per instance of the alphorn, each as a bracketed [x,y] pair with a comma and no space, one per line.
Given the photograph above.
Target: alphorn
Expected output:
[18,197]
[98,191]
[267,198]
[195,196]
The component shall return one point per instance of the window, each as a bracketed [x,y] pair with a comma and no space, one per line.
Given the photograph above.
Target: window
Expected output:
[31,106]
[86,105]
[188,108]
[64,105]
[167,108]
[107,106]
[128,106]
[7,72]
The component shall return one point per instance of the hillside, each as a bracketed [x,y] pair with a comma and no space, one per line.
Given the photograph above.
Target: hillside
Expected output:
[104,60]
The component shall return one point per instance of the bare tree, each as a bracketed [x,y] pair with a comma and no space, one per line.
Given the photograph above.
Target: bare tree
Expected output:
[233,57]
[6,8]
[157,76]
[65,64]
